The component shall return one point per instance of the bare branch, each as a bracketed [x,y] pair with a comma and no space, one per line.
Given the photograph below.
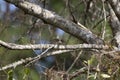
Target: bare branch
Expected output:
[115,4]
[22,61]
[82,71]
[55,46]
[13,65]
[115,25]
[74,61]
[57,21]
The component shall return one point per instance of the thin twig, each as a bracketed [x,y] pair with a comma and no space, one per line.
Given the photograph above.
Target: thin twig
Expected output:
[81,71]
[100,21]
[39,56]
[74,61]
[104,27]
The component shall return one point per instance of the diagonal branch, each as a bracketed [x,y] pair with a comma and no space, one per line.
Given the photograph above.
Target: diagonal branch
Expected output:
[27,60]
[55,46]
[57,21]
[115,25]
[115,4]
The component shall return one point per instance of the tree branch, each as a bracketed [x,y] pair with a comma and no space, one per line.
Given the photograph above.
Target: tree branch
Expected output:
[27,60]
[115,25]
[55,46]
[115,4]
[57,21]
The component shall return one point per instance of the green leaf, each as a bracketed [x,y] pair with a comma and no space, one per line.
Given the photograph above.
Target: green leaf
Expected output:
[10,75]
[105,75]
[26,73]
[92,60]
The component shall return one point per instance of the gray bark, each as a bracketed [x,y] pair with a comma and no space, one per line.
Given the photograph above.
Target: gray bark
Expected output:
[115,4]
[51,18]
[114,21]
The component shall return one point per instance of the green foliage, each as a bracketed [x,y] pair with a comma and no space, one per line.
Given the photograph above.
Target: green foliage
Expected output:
[10,75]
[57,5]
[22,73]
